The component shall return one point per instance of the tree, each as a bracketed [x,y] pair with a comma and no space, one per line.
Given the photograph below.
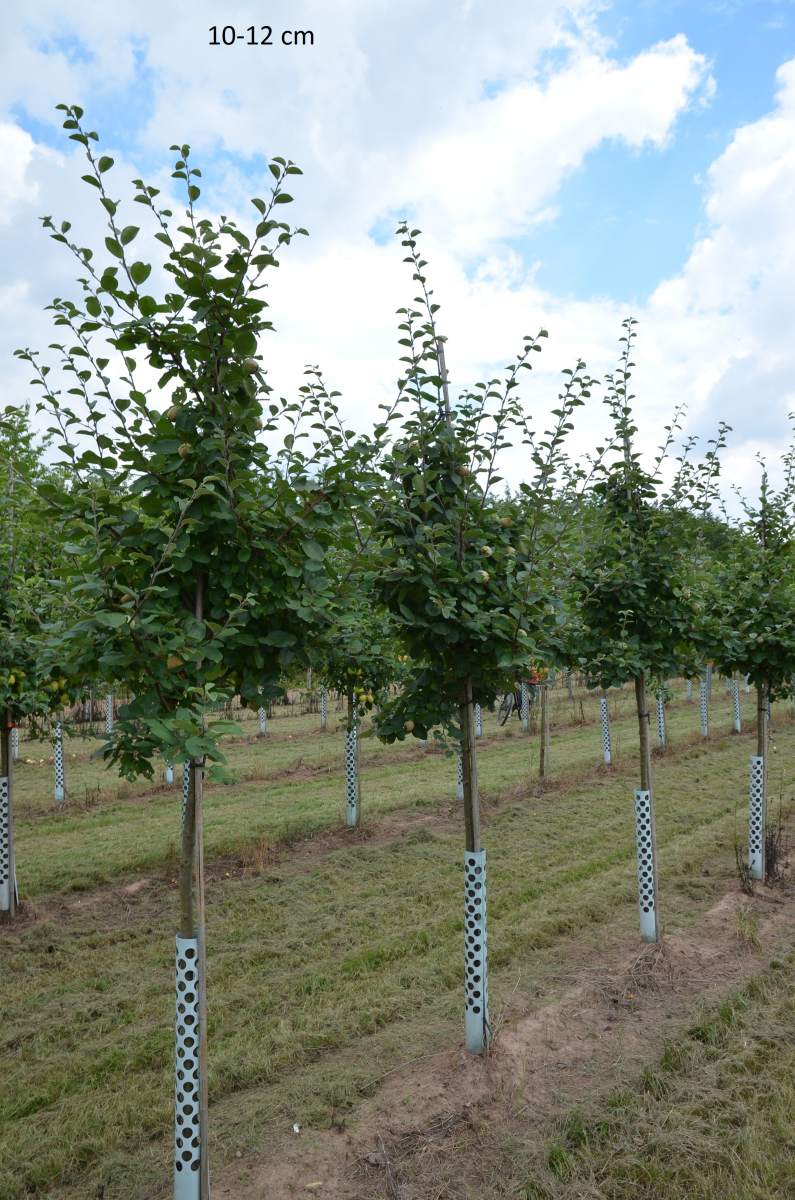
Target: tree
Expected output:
[461,574]
[205,542]
[635,588]
[754,599]
[33,682]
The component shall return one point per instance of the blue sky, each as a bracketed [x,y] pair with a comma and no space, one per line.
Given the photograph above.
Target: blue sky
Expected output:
[569,161]
[629,219]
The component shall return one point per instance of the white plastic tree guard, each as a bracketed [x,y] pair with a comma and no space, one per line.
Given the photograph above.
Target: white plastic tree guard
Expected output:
[324,708]
[352,792]
[703,704]
[109,713]
[5,846]
[187,1142]
[262,717]
[690,689]
[476,984]
[524,710]
[15,744]
[735,695]
[647,865]
[478,721]
[459,778]
[60,775]
[662,732]
[604,716]
[756,818]
[169,772]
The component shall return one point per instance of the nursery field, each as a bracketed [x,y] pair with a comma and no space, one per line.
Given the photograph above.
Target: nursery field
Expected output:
[335,972]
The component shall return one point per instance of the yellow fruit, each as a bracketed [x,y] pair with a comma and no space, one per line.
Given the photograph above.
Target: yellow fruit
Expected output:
[12,680]
[184,450]
[506,521]
[250,366]
[487,550]
[173,412]
[408,726]
[174,661]
[64,698]
[53,685]
[484,575]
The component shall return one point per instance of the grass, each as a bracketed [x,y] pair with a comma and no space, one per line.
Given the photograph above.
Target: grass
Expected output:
[326,970]
[290,785]
[713,1120]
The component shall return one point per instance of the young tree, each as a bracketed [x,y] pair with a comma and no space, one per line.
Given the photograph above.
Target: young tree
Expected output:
[206,542]
[636,592]
[33,683]
[462,576]
[754,599]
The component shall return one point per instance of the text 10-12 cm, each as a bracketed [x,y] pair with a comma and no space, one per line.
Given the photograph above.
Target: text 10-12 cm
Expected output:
[228,35]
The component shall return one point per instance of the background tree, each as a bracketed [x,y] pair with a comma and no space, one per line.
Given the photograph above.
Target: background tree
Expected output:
[461,575]
[635,588]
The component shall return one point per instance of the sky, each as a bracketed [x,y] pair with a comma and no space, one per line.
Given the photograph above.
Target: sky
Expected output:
[569,164]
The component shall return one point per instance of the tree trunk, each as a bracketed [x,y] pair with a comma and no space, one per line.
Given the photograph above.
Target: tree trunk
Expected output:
[469,762]
[543,757]
[645,834]
[757,805]
[8,875]
[352,781]
[476,989]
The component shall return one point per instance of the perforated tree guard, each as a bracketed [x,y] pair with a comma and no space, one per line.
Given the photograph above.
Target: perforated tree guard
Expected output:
[109,713]
[604,716]
[60,780]
[478,721]
[352,776]
[525,706]
[262,717]
[476,979]
[5,847]
[703,704]
[323,708]
[187,1143]
[647,867]
[14,744]
[459,779]
[756,818]
[185,792]
[662,733]
[169,772]
[735,694]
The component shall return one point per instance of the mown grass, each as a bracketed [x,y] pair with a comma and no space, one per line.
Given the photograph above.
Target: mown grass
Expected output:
[324,973]
[713,1119]
[290,786]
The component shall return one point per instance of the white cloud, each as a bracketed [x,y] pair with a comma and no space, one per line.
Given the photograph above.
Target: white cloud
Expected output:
[393,109]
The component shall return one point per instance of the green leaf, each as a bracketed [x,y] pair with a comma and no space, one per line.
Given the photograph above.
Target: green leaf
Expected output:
[128,233]
[140,272]
[314,550]
[93,306]
[104,164]
[114,247]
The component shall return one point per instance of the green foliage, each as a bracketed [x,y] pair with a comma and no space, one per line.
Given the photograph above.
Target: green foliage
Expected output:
[461,566]
[205,545]
[636,581]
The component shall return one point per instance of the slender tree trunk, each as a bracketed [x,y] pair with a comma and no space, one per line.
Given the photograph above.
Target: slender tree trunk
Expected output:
[7,832]
[543,756]
[757,806]
[476,966]
[645,833]
[643,732]
[469,761]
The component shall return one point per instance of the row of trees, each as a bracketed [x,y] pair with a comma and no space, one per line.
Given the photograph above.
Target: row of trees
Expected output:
[200,537]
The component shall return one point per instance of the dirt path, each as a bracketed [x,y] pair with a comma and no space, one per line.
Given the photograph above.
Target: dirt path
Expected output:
[431,1127]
